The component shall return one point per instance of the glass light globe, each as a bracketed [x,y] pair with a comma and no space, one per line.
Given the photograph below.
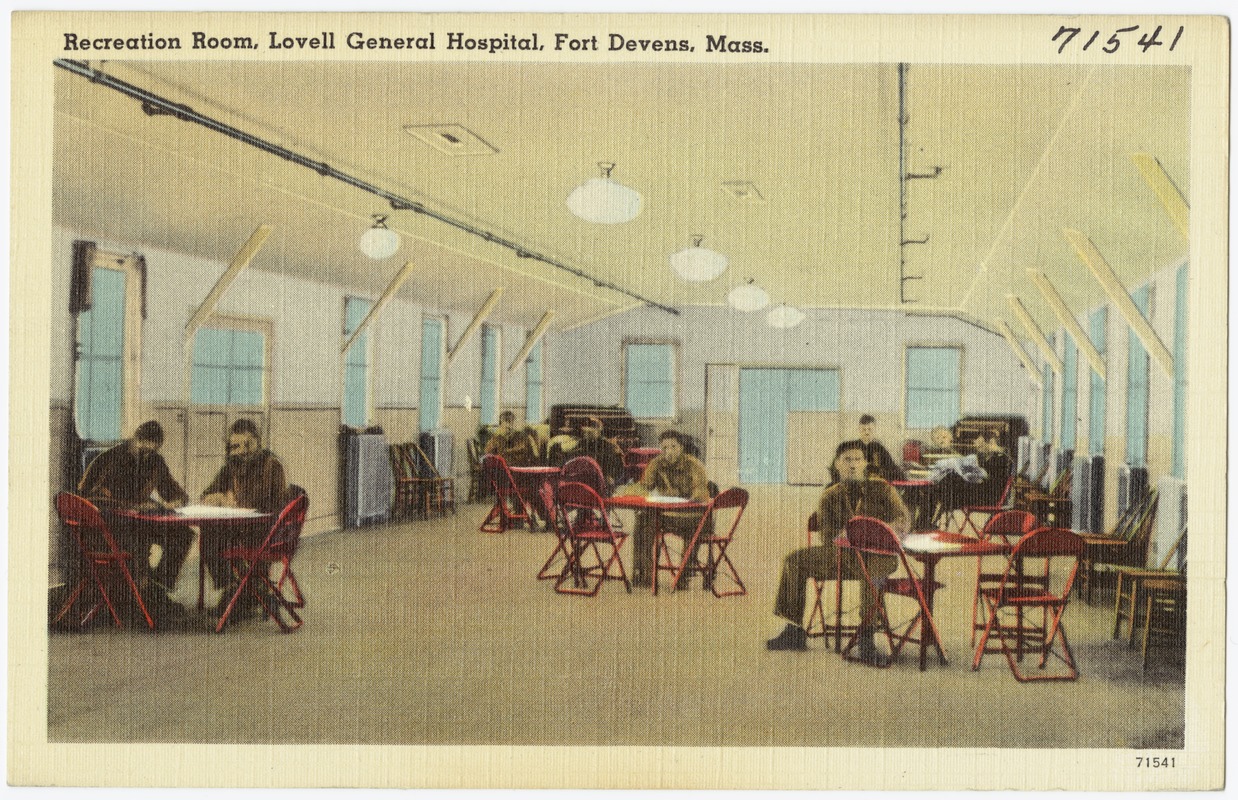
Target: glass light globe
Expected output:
[378,243]
[605,201]
[784,316]
[748,297]
[698,264]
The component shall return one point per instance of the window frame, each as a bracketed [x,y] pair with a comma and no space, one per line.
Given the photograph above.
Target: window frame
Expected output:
[1098,332]
[495,401]
[368,352]
[1138,364]
[131,343]
[441,322]
[536,355]
[237,323]
[959,387]
[1181,377]
[1068,431]
[675,382]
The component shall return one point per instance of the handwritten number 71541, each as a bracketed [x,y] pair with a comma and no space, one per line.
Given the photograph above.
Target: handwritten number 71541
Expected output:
[1147,40]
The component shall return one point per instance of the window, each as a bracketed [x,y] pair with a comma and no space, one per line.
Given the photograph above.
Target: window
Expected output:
[356,364]
[1137,389]
[1180,377]
[100,365]
[1070,394]
[533,384]
[229,364]
[649,386]
[1096,395]
[431,403]
[107,296]
[490,344]
[933,378]
[1046,398]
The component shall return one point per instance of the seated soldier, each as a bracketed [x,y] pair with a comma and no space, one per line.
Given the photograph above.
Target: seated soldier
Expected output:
[853,495]
[880,462]
[671,473]
[127,476]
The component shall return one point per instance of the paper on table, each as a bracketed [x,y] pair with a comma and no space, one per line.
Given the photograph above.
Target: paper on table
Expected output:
[659,498]
[928,543]
[216,511]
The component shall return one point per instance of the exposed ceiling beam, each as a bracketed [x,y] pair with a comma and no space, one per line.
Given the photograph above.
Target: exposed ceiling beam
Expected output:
[478,319]
[1033,330]
[1068,321]
[376,309]
[532,340]
[1166,190]
[1022,355]
[1117,293]
[239,262]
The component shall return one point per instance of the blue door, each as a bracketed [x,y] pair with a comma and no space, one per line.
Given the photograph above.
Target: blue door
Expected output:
[766,397]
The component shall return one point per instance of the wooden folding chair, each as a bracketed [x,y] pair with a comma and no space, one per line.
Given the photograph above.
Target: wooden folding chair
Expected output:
[252,565]
[1126,545]
[1130,580]
[407,484]
[870,537]
[436,492]
[1021,631]
[102,562]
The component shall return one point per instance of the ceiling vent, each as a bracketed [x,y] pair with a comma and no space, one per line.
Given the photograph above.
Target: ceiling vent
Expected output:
[454,140]
[743,191]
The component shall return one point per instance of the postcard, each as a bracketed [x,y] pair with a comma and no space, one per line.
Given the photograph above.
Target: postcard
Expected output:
[913,318]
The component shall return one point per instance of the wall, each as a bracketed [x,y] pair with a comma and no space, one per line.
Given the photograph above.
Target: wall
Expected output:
[305,387]
[866,346]
[1160,391]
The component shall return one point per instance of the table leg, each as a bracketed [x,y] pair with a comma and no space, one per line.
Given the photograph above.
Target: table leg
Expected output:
[927,626]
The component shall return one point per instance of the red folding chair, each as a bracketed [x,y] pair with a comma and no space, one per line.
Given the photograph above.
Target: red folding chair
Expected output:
[252,565]
[593,545]
[557,520]
[817,625]
[870,537]
[707,533]
[1009,527]
[1011,606]
[989,510]
[586,470]
[102,560]
[509,506]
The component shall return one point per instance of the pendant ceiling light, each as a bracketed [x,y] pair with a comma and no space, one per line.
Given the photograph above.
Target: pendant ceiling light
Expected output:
[748,297]
[698,264]
[784,316]
[379,241]
[604,199]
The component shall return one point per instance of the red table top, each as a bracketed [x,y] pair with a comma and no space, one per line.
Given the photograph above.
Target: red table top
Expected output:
[173,518]
[660,503]
[535,470]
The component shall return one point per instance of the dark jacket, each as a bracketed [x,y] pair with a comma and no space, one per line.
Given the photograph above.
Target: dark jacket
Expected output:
[118,478]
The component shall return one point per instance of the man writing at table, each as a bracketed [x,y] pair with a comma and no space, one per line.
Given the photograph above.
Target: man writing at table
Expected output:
[252,477]
[853,495]
[128,476]
[671,473]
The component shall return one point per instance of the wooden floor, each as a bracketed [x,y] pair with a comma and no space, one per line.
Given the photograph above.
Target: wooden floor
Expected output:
[433,633]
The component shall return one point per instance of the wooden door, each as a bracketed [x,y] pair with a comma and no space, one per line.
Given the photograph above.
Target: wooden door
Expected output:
[722,423]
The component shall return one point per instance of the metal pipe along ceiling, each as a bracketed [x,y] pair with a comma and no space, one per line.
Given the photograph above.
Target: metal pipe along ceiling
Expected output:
[154,104]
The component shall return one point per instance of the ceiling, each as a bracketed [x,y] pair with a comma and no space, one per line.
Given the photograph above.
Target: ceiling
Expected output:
[1024,152]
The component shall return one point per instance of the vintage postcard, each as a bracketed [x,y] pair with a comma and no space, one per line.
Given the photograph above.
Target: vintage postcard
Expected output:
[636,401]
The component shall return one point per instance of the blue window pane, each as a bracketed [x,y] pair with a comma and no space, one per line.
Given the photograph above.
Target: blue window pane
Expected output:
[650,387]
[209,385]
[933,395]
[1070,393]
[812,390]
[1180,376]
[489,375]
[356,364]
[100,371]
[354,396]
[1137,389]
[247,349]
[533,384]
[1096,406]
[212,347]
